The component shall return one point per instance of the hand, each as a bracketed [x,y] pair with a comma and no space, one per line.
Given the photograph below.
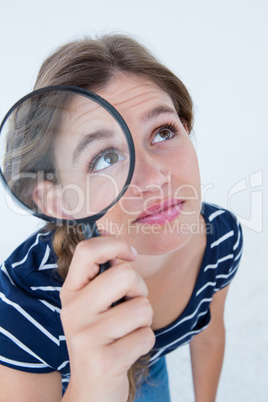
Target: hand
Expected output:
[103,342]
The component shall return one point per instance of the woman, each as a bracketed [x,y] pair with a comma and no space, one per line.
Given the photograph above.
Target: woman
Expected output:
[173,260]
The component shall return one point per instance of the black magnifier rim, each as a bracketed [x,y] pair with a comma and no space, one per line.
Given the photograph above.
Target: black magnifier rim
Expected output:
[114,113]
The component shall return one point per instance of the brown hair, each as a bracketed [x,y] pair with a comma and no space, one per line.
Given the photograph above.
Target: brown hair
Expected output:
[91,64]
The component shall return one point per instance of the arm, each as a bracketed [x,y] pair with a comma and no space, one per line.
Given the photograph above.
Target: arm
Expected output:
[103,342]
[19,386]
[207,351]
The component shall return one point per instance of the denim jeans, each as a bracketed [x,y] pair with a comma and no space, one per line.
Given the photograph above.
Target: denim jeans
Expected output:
[155,388]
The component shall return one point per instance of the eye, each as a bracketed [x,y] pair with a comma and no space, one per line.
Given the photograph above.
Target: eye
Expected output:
[105,159]
[165,133]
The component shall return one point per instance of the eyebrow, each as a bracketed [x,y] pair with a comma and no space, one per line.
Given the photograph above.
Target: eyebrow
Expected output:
[158,110]
[88,139]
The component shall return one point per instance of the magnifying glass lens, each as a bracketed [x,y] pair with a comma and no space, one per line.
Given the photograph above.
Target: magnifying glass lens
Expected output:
[65,154]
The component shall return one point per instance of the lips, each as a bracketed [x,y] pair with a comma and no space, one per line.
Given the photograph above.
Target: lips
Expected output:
[161,213]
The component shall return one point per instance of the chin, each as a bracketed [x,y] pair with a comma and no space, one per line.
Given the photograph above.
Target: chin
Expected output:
[160,243]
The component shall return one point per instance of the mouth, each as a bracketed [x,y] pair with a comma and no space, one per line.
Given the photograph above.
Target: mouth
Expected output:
[161,213]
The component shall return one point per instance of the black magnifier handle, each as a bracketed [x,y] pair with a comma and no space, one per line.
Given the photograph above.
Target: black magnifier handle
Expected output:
[90,230]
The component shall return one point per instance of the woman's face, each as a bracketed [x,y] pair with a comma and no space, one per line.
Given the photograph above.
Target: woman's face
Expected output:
[159,211]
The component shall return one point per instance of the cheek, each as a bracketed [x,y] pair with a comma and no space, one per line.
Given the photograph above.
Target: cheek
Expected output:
[113,221]
[186,178]
[183,164]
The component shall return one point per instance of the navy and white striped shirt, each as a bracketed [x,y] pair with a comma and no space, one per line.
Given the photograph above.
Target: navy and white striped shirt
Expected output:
[31,333]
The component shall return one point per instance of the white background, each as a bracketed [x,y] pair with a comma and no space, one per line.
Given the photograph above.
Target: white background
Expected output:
[219,49]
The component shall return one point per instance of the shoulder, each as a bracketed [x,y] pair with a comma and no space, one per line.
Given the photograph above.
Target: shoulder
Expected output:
[30,327]
[223,225]
[33,254]
[224,244]
[31,270]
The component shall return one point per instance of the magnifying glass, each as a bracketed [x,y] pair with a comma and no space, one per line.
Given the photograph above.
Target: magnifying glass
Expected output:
[66,156]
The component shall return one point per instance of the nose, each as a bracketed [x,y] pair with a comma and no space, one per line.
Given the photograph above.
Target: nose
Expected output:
[149,176]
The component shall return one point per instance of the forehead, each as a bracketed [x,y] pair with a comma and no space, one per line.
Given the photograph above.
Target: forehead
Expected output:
[132,96]
[83,112]
[128,92]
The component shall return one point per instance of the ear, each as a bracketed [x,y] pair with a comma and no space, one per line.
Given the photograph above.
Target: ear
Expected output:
[48,198]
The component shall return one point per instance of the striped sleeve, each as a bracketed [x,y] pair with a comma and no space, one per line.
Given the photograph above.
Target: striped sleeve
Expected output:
[233,252]
[30,328]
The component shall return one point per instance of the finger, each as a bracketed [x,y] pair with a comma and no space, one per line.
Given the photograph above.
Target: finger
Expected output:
[109,361]
[89,254]
[131,348]
[112,285]
[98,296]
[124,319]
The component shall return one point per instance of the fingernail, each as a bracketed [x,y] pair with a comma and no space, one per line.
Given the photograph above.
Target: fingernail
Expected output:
[134,251]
